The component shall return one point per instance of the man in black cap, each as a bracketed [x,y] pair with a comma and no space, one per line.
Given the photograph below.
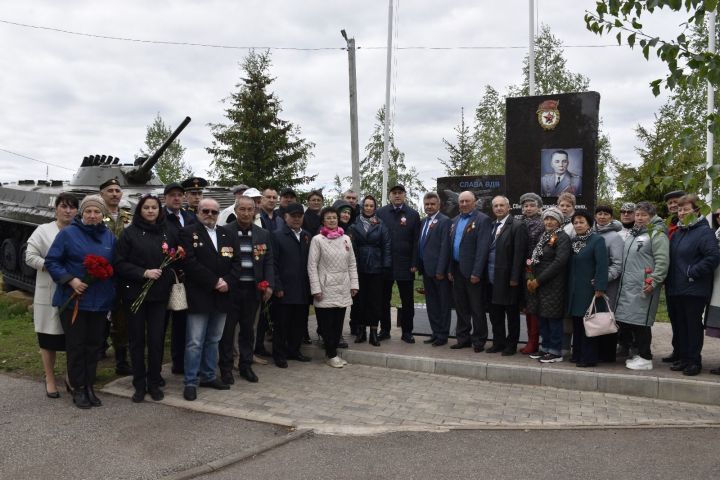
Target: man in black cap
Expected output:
[176,220]
[116,221]
[404,225]
[287,196]
[671,200]
[194,192]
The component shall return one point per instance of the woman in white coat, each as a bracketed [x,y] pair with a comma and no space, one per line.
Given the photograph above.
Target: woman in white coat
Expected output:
[47,323]
[333,281]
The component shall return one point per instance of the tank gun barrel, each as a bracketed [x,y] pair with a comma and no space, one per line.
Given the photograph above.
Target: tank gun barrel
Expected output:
[141,174]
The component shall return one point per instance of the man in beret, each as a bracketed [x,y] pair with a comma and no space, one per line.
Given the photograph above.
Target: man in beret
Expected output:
[194,192]
[116,220]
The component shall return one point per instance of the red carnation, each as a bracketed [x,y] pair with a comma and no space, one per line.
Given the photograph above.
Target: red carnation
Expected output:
[648,270]
[264,285]
[648,281]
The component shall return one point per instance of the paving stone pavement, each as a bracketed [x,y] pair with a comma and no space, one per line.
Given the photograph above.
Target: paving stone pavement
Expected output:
[361,399]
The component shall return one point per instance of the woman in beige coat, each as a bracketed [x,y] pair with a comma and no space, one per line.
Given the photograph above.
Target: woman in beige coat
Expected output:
[333,281]
[47,323]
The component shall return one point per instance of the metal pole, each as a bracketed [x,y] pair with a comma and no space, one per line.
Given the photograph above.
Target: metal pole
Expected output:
[354,145]
[386,133]
[710,105]
[531,53]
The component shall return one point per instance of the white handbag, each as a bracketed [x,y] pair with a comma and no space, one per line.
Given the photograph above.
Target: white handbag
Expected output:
[178,297]
[599,323]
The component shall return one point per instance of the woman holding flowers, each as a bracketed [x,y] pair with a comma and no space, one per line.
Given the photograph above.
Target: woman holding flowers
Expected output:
[144,251]
[646,256]
[79,261]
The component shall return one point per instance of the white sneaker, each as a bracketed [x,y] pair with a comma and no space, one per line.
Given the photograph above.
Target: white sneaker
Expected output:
[632,359]
[344,362]
[335,362]
[640,364]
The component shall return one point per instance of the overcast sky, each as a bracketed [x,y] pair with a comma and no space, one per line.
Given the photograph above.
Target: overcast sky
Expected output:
[65,96]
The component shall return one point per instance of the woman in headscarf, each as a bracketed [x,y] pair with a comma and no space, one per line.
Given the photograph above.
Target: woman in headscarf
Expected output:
[531,205]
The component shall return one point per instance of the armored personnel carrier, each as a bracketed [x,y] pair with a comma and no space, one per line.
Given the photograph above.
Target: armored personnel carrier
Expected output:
[29,203]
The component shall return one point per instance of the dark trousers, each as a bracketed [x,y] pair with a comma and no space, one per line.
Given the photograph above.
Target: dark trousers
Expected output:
[688,313]
[288,329]
[640,336]
[243,314]
[119,327]
[262,327]
[497,319]
[407,300]
[437,302]
[355,312]
[177,337]
[367,300]
[146,327]
[83,340]
[607,348]
[470,309]
[330,322]
[585,349]
[673,325]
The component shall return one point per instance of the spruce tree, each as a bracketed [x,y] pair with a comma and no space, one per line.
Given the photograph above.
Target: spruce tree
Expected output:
[462,153]
[170,167]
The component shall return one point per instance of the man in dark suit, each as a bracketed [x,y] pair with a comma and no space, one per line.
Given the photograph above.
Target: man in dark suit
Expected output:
[212,268]
[466,255]
[433,234]
[176,219]
[404,225]
[256,259]
[506,262]
[290,308]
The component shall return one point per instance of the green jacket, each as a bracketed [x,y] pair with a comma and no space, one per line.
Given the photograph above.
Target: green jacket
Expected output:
[117,227]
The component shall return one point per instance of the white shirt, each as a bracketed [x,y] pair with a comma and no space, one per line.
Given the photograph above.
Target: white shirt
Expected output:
[297,233]
[213,235]
[502,224]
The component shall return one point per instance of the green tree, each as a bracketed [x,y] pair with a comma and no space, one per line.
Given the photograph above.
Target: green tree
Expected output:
[170,167]
[256,147]
[371,166]
[489,134]
[462,153]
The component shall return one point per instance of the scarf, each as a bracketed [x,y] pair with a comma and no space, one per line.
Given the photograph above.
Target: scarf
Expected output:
[367,222]
[637,230]
[579,241]
[331,234]
[538,250]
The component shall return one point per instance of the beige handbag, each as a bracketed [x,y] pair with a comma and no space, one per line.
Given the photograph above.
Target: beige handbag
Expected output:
[599,323]
[178,298]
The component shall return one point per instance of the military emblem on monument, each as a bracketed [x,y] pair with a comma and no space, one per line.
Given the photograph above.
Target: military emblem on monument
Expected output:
[548,114]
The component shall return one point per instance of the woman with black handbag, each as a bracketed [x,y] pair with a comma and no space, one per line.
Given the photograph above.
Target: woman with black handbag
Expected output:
[141,249]
[588,277]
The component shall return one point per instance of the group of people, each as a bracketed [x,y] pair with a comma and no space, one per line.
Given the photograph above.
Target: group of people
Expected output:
[254,268]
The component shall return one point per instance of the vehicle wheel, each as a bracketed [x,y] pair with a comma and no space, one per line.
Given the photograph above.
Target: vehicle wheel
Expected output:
[25,269]
[9,252]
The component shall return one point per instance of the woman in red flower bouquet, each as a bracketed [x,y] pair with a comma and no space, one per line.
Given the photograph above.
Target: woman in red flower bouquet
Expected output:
[79,261]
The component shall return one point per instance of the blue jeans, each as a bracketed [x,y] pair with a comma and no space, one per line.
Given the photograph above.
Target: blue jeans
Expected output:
[551,331]
[203,332]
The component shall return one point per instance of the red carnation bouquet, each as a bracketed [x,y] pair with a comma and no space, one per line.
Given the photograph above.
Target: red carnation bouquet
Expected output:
[262,287]
[170,255]
[97,268]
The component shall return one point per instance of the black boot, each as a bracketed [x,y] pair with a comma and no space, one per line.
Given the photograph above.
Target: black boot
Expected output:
[80,398]
[94,400]
[122,367]
[374,338]
[361,335]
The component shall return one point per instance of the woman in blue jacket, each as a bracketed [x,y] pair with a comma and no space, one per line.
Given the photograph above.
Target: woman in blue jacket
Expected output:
[371,243]
[588,277]
[83,336]
[694,256]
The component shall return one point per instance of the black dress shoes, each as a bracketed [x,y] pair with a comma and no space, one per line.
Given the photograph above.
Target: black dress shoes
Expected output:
[692,370]
[155,393]
[373,338]
[248,374]
[407,338]
[439,343]
[80,398]
[139,395]
[383,335]
[216,384]
[300,358]
[429,341]
[673,358]
[458,346]
[679,366]
[281,363]
[715,371]
[190,393]
[478,348]
[161,383]
[495,349]
[509,351]
[227,378]
[585,365]
[54,394]
[94,400]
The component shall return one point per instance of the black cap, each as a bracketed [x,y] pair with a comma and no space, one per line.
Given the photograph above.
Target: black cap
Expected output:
[173,186]
[288,192]
[398,187]
[294,209]
[107,183]
[674,194]
[194,183]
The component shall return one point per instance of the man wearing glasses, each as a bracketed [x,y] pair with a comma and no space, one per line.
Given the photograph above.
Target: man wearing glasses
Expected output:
[212,267]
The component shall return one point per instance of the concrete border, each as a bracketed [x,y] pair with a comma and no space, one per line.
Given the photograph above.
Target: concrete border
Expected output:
[673,389]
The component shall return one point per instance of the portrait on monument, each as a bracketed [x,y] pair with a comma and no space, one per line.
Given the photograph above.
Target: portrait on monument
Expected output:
[562,170]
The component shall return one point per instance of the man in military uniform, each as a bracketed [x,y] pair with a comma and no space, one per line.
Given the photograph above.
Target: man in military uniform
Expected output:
[116,220]
[194,192]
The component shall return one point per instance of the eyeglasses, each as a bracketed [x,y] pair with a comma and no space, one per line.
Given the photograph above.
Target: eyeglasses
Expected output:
[627,211]
[207,211]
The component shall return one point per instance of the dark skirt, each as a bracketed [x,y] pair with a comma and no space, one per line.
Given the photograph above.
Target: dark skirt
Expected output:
[55,343]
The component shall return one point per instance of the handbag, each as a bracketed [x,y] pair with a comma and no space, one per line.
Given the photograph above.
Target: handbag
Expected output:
[599,323]
[178,297]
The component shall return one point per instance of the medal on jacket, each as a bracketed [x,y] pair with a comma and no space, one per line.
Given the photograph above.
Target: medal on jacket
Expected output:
[403,221]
